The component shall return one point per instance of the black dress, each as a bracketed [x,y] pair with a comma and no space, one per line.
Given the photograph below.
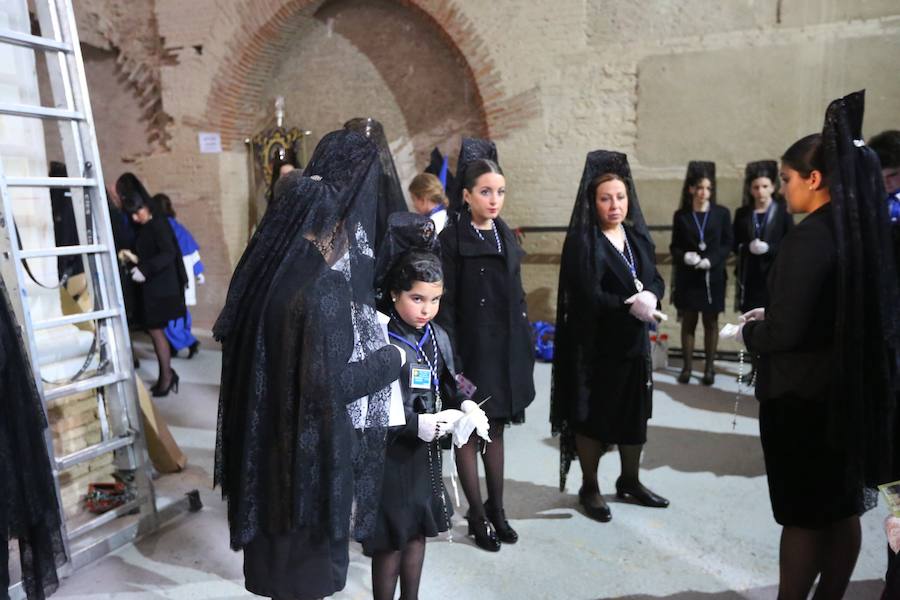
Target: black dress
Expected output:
[795,349]
[484,312]
[691,290]
[614,399]
[752,269]
[161,297]
[414,501]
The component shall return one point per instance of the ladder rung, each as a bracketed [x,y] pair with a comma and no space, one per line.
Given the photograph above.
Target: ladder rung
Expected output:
[63,251]
[17,38]
[53,182]
[92,383]
[91,452]
[107,517]
[79,318]
[40,112]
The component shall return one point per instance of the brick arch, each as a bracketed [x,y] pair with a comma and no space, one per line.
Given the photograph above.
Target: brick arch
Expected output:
[238,86]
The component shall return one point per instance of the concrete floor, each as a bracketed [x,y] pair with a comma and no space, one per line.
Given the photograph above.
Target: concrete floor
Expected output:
[717,540]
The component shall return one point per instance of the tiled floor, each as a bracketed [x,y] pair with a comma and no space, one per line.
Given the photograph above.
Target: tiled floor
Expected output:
[716,541]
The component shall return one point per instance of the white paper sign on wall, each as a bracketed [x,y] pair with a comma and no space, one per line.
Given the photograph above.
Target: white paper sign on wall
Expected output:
[210,142]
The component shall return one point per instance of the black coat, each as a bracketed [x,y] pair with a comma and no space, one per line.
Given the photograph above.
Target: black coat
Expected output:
[161,297]
[484,312]
[689,290]
[751,269]
[795,342]
[602,372]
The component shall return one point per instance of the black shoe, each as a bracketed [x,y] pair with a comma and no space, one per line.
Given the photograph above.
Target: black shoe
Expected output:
[193,349]
[640,494]
[684,376]
[159,392]
[709,376]
[485,537]
[598,513]
[504,530]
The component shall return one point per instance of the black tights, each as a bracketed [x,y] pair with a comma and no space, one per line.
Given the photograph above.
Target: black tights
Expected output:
[589,453]
[467,467]
[404,564]
[163,357]
[689,320]
[830,553]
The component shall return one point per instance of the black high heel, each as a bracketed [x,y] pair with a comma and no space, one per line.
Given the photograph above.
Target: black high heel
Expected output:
[158,392]
[485,536]
[497,517]
[640,494]
[193,349]
[598,513]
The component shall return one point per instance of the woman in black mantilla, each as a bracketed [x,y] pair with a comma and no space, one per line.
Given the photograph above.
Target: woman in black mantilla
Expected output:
[159,275]
[701,243]
[760,224]
[414,504]
[609,291]
[303,407]
[828,348]
[485,314]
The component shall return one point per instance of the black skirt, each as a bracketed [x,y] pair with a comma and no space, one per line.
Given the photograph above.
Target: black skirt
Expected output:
[806,486]
[295,565]
[413,499]
[621,402]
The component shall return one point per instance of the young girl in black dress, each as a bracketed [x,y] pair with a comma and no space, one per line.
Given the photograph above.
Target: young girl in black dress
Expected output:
[414,504]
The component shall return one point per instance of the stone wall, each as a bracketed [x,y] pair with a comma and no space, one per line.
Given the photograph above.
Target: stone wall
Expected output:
[664,81]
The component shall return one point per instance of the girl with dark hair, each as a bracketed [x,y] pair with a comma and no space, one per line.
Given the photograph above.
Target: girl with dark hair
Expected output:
[701,243]
[609,291]
[414,504]
[760,224]
[486,317]
[827,350]
[178,332]
[159,274]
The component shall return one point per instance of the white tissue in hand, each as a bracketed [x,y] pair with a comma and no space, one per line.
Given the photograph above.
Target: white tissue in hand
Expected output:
[729,331]
[474,421]
[691,258]
[704,264]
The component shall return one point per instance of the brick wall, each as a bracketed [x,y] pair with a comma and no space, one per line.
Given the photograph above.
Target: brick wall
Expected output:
[665,82]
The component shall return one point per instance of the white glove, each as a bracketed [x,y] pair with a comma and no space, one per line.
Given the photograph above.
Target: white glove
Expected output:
[643,305]
[729,331]
[449,416]
[758,247]
[704,264]
[757,314]
[474,420]
[468,406]
[430,427]
[691,259]
[201,278]
[137,276]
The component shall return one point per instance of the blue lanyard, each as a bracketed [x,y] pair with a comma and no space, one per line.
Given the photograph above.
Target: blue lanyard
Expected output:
[701,228]
[420,354]
[629,258]
[759,224]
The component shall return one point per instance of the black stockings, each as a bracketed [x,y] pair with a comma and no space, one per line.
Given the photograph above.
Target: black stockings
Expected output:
[467,468]
[589,453]
[830,553]
[404,564]
[163,357]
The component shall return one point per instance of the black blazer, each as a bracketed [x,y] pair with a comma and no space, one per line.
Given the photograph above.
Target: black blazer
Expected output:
[690,284]
[779,224]
[795,342]
[159,257]
[484,312]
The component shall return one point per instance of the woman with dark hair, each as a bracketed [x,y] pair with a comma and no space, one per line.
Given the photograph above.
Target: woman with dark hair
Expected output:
[609,292]
[827,347]
[701,243]
[485,314]
[159,274]
[306,370]
[760,224]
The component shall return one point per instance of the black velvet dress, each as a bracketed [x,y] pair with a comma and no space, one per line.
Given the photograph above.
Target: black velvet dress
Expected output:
[414,501]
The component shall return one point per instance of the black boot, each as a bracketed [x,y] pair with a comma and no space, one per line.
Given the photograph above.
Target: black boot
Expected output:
[485,537]
[497,517]
[687,352]
[640,494]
